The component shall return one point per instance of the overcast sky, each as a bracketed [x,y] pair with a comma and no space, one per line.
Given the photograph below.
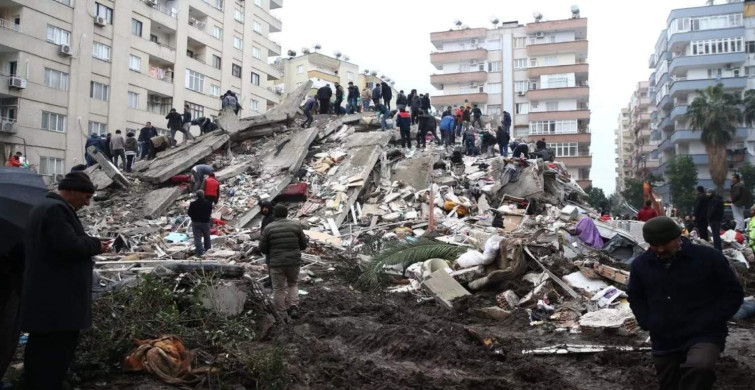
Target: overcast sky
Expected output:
[393,36]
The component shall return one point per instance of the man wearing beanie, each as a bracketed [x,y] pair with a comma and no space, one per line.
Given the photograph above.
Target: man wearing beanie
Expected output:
[283,240]
[683,294]
[57,292]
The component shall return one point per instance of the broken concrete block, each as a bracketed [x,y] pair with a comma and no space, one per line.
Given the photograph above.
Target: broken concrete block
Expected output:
[444,288]
[98,177]
[227,298]
[110,170]
[621,320]
[569,213]
[176,160]
[493,312]
[467,275]
[581,282]
[508,300]
[158,201]
[533,296]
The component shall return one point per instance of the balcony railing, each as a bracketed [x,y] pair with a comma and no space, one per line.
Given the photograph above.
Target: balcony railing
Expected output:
[10,25]
[161,74]
[172,12]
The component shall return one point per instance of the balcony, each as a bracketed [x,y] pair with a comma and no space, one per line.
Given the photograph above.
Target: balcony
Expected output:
[438,80]
[273,48]
[440,58]
[579,24]
[572,137]
[680,65]
[584,183]
[155,49]
[559,115]
[458,99]
[159,13]
[678,40]
[558,69]
[579,47]
[558,93]
[682,86]
[275,4]
[317,74]
[678,112]
[269,70]
[438,38]
[576,161]
[276,25]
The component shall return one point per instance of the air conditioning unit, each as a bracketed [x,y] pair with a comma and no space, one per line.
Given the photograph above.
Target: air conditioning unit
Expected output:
[100,21]
[540,35]
[7,127]
[65,50]
[474,41]
[520,93]
[16,82]
[155,99]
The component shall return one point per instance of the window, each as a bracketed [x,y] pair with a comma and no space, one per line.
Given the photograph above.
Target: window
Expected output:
[255,105]
[194,81]
[255,79]
[196,110]
[136,27]
[56,79]
[495,66]
[717,46]
[522,108]
[53,122]
[214,90]
[750,45]
[66,2]
[133,99]
[493,44]
[520,63]
[101,51]
[135,63]
[553,127]
[257,27]
[557,81]
[236,70]
[99,91]
[494,88]
[238,15]
[564,149]
[300,69]
[97,128]
[238,42]
[533,62]
[215,3]
[551,106]
[216,62]
[58,36]
[51,166]
[493,109]
[217,32]
[521,86]
[104,11]
[256,52]
[550,61]
[520,42]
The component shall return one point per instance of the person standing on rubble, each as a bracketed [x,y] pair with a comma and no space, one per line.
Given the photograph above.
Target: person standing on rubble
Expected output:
[506,121]
[401,100]
[339,99]
[310,105]
[118,148]
[701,213]
[174,124]
[132,148]
[446,113]
[146,134]
[415,104]
[377,93]
[447,129]
[387,94]
[283,240]
[715,216]
[503,141]
[230,99]
[477,116]
[57,286]
[212,189]
[366,97]
[466,117]
[459,115]
[200,212]
[352,97]
[647,212]
[93,140]
[105,146]
[323,95]
[683,294]
[198,173]
[404,123]
[425,102]
[186,124]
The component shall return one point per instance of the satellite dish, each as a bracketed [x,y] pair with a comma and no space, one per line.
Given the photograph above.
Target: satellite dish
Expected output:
[538,16]
[277,60]
[374,73]
[494,20]
[291,53]
[366,71]
[457,22]
[393,83]
[346,58]
[318,46]
[305,50]
[387,79]
[575,11]
[337,54]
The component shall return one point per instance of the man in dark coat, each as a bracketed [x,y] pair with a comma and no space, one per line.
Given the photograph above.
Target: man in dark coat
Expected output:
[506,121]
[683,294]
[739,200]
[715,216]
[352,97]
[503,141]
[175,123]
[415,105]
[283,240]
[401,100]
[425,102]
[387,94]
[701,213]
[311,104]
[93,140]
[146,134]
[339,99]
[377,93]
[57,297]
[323,96]
[200,212]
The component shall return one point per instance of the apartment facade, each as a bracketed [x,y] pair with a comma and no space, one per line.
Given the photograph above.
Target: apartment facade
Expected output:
[537,72]
[70,68]
[643,160]
[624,149]
[700,46]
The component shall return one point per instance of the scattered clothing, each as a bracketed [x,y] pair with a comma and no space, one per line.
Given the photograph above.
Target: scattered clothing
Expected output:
[588,233]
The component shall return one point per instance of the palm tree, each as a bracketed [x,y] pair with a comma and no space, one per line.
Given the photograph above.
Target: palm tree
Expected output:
[749,107]
[717,114]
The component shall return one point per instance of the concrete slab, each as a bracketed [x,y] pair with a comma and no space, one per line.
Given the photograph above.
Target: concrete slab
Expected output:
[241,129]
[444,288]
[183,157]
[233,170]
[414,172]
[98,177]
[292,153]
[157,202]
[338,122]
[110,170]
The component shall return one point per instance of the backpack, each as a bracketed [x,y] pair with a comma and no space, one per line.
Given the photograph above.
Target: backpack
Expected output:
[230,100]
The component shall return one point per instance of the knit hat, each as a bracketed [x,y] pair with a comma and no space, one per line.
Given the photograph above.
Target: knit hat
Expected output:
[660,231]
[280,211]
[77,181]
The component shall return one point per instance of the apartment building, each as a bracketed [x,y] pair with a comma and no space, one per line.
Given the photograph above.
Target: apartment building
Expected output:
[322,69]
[624,149]
[70,68]
[700,46]
[538,72]
[644,159]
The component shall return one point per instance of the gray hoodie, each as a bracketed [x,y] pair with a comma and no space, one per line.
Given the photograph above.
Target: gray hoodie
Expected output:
[117,142]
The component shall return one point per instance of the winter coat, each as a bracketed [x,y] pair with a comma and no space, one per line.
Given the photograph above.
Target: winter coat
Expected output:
[425,101]
[93,141]
[646,213]
[57,290]
[339,93]
[200,210]
[403,120]
[465,115]
[488,139]
[211,187]
[174,120]
[283,240]
[353,93]
[739,194]
[324,93]
[131,144]
[521,150]
[268,217]
[309,105]
[13,162]
[469,137]
[686,300]
[416,102]
[186,118]
[446,113]
[366,95]
[701,208]
[715,209]
[427,123]
[377,92]
[387,93]
[540,145]
[447,123]
[503,136]
[477,113]
[506,122]
[401,100]
[117,142]
[146,134]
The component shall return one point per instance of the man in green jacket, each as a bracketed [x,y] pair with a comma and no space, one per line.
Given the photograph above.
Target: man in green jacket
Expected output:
[283,240]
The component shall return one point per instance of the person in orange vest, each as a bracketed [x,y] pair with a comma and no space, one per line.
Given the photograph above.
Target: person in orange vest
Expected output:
[14,160]
[211,189]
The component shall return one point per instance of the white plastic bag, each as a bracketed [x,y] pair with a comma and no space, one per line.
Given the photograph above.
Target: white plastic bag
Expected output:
[492,246]
[470,259]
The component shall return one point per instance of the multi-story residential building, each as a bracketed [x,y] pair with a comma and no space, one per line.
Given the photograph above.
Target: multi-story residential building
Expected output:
[624,149]
[700,46]
[70,68]
[537,72]
[643,159]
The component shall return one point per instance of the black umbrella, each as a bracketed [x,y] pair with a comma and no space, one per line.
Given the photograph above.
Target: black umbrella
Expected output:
[20,191]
